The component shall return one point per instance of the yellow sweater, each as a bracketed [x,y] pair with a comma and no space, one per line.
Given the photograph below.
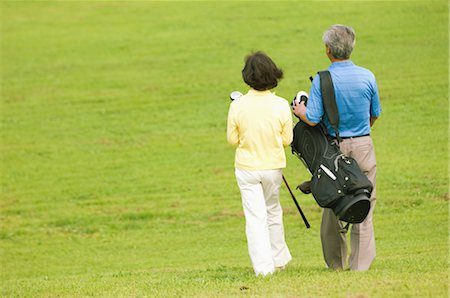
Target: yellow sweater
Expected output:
[260,124]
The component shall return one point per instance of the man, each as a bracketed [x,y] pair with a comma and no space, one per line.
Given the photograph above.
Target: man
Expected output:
[260,126]
[358,103]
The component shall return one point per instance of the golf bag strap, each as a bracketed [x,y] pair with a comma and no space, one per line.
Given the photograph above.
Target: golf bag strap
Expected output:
[329,101]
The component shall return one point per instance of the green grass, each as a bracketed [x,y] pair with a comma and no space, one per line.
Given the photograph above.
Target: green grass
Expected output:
[115,173]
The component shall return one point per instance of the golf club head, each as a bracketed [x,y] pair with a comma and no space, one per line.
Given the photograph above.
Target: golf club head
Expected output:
[235,95]
[301,96]
[305,187]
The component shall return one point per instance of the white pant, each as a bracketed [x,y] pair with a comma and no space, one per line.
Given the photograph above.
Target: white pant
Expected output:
[260,191]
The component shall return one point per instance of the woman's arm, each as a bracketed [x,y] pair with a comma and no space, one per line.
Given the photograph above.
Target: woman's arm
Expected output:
[232,129]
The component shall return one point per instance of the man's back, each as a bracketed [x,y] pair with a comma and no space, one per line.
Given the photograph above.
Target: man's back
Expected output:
[356,97]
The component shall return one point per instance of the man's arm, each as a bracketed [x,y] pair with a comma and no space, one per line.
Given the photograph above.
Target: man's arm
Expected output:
[375,107]
[300,112]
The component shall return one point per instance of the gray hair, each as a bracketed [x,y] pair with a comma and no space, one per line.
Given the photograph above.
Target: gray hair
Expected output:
[341,40]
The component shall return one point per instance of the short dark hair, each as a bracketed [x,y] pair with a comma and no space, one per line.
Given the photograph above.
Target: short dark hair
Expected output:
[260,72]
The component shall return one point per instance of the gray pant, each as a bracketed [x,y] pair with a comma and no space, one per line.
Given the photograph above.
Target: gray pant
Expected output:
[362,239]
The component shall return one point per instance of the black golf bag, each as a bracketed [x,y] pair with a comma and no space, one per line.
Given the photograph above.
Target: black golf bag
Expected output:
[337,181]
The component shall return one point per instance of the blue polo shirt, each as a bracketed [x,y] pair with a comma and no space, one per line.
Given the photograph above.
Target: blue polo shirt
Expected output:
[357,99]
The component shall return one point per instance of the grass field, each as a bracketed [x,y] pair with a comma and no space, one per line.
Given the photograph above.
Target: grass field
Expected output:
[116,177]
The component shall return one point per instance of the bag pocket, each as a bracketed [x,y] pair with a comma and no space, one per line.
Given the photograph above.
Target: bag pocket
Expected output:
[326,187]
[351,177]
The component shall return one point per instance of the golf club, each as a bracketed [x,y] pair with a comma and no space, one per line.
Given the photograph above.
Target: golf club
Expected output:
[235,95]
[296,204]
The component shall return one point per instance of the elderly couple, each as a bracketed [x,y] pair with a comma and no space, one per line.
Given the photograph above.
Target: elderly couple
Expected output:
[260,126]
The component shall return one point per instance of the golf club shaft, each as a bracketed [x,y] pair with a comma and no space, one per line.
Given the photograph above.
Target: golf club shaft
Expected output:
[296,203]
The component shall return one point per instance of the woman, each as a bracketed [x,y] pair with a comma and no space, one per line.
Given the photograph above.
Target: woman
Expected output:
[260,125]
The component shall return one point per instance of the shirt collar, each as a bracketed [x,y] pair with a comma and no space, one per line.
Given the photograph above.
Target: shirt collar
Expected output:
[341,64]
[258,93]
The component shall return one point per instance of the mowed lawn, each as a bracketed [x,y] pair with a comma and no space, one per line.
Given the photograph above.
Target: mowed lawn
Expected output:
[116,178]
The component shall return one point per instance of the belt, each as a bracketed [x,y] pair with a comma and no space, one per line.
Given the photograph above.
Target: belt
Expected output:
[366,135]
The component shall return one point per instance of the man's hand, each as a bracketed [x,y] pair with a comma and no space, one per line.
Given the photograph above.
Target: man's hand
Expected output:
[300,112]
[299,109]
